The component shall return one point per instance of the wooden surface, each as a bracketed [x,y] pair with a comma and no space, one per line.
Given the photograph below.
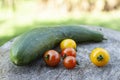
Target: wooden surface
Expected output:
[85,71]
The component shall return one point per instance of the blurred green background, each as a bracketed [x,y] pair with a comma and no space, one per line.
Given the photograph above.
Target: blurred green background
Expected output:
[19,16]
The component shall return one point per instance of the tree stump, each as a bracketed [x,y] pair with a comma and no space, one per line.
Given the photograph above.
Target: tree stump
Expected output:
[85,71]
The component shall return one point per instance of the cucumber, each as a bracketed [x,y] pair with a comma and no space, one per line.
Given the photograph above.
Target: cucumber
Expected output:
[32,44]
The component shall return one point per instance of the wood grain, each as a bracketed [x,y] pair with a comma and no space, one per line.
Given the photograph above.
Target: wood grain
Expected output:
[85,71]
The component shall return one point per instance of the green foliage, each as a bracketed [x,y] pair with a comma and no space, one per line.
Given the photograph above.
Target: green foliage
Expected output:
[16,29]
[15,23]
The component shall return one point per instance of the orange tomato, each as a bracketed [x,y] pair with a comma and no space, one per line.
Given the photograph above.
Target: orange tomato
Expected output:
[68,52]
[52,58]
[69,62]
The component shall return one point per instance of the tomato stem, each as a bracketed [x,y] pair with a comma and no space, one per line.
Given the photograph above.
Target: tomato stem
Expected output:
[64,56]
[100,58]
[77,63]
[75,49]
[47,57]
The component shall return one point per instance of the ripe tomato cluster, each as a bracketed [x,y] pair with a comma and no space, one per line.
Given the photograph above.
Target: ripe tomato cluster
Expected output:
[69,58]
[99,56]
[68,54]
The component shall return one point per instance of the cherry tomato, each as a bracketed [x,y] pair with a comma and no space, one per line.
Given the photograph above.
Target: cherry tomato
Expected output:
[68,52]
[99,57]
[52,58]
[68,43]
[69,62]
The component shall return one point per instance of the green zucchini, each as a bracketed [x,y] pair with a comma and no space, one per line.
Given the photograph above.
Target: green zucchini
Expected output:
[34,43]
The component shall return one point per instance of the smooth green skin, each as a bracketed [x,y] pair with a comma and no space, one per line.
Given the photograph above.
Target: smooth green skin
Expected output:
[31,45]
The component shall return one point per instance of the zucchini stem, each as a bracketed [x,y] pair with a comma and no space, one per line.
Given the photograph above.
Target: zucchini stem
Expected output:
[105,38]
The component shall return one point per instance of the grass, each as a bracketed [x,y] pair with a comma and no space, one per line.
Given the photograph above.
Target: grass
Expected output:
[14,24]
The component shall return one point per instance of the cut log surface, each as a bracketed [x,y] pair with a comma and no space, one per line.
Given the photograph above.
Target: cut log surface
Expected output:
[85,71]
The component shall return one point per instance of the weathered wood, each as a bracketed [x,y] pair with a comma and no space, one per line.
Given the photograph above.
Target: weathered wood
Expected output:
[85,71]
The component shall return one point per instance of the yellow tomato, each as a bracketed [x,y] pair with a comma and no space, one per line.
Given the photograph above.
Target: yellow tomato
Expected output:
[99,57]
[68,43]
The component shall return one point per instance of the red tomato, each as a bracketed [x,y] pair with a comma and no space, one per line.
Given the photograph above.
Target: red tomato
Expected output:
[69,62]
[68,52]
[52,58]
